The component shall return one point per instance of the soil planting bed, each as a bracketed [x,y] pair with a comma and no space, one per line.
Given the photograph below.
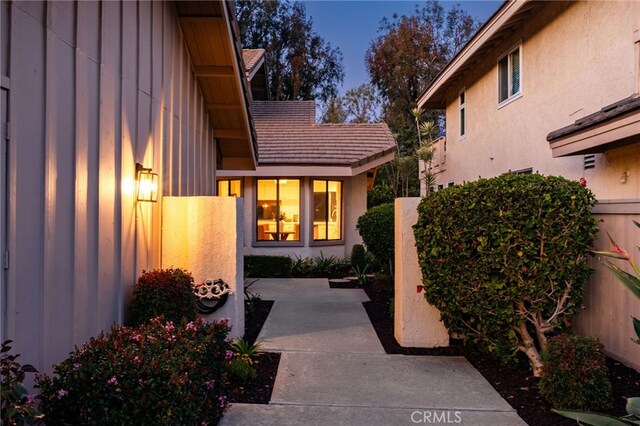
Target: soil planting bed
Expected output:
[515,385]
[259,390]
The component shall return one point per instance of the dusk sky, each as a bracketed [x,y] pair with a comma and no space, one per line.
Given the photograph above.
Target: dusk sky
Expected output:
[352,25]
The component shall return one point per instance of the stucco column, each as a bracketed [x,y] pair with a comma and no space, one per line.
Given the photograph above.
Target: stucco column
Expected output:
[417,323]
[204,235]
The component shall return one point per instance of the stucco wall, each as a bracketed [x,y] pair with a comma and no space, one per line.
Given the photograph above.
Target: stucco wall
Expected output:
[94,87]
[204,236]
[354,205]
[416,322]
[582,60]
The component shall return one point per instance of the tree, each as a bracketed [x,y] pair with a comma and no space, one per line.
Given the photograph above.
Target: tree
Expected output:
[410,52]
[300,63]
[361,104]
[334,110]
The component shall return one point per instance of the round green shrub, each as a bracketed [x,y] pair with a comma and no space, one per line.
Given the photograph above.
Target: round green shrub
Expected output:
[505,259]
[167,292]
[160,373]
[358,257]
[376,227]
[575,374]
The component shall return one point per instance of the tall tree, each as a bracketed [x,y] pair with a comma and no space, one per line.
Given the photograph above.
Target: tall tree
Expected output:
[411,51]
[333,111]
[301,64]
[362,104]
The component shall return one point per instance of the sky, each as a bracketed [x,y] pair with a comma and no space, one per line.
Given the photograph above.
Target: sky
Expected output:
[352,25]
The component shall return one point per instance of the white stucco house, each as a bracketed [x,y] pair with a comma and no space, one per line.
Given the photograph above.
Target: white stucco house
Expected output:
[89,89]
[553,87]
[310,184]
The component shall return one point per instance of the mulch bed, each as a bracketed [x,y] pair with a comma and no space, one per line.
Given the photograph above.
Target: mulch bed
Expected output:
[515,385]
[259,390]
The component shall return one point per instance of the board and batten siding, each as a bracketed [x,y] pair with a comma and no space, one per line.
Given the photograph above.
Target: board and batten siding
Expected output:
[92,88]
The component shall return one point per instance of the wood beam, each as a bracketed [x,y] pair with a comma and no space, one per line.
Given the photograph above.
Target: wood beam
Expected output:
[213,71]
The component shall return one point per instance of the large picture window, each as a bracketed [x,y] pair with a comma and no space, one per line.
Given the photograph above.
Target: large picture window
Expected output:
[327,210]
[278,210]
[230,188]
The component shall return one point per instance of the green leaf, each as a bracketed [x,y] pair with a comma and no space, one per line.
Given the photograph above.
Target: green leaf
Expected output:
[630,281]
[636,327]
[593,419]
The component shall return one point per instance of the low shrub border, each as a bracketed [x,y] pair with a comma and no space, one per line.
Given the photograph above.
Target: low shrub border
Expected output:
[158,373]
[264,266]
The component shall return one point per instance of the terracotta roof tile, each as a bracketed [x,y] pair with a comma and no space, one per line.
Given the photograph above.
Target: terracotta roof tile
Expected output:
[288,135]
[251,58]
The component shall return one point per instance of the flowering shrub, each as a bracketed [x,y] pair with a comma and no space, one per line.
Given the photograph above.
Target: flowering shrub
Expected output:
[167,292]
[18,405]
[505,259]
[575,373]
[159,373]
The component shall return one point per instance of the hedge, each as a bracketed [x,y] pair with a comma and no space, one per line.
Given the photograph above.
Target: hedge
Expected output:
[505,259]
[263,266]
[376,227]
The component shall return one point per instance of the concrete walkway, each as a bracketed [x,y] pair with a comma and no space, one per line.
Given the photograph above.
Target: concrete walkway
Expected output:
[334,371]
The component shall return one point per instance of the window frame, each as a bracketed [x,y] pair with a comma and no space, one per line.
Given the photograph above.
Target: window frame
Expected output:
[462,114]
[510,96]
[278,243]
[312,240]
[229,180]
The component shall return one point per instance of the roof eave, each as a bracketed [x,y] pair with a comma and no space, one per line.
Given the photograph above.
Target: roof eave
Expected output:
[434,96]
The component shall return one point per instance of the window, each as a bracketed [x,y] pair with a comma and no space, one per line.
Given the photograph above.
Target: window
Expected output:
[278,210]
[463,124]
[230,188]
[440,186]
[327,210]
[509,75]
[450,184]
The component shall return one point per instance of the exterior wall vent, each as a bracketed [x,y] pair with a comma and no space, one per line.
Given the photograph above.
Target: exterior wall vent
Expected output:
[589,161]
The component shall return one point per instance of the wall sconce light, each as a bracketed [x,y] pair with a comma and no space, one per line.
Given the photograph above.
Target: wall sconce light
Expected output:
[147,184]
[625,176]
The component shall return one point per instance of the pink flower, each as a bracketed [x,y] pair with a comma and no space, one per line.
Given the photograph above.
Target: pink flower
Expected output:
[171,339]
[136,360]
[210,383]
[169,327]
[136,337]
[224,320]
[583,182]
[112,381]
[228,355]
[223,400]
[31,398]
[190,326]
[62,393]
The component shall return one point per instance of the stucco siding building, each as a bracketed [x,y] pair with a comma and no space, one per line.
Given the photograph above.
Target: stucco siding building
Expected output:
[552,88]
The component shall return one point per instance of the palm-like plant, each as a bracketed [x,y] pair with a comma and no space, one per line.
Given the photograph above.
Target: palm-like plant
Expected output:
[632,282]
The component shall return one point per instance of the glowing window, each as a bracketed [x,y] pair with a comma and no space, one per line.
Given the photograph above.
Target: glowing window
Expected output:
[230,188]
[278,210]
[327,210]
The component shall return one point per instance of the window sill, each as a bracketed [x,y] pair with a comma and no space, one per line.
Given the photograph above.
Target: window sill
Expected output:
[284,243]
[507,101]
[326,243]
[461,138]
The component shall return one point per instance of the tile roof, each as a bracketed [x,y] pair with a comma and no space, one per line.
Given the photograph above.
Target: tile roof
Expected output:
[251,59]
[607,113]
[288,135]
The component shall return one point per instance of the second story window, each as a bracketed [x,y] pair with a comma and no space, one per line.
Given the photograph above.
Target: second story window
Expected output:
[509,73]
[463,114]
